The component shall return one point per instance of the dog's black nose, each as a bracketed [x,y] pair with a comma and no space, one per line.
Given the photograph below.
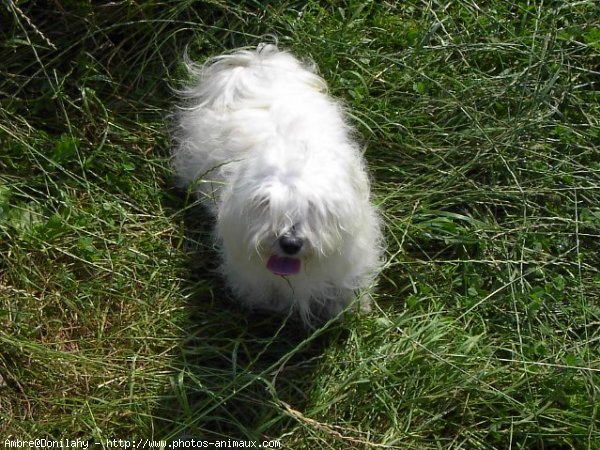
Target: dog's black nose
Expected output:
[290,244]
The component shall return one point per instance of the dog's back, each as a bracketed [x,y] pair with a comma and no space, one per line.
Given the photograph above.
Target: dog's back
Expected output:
[238,99]
[227,79]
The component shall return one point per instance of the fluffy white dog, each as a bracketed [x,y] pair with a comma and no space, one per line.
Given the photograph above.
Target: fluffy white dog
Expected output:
[270,154]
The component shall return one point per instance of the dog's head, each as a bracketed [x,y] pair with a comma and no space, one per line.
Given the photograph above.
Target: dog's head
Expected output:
[287,220]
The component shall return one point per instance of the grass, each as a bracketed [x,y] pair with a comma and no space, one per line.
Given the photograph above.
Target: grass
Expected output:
[481,127]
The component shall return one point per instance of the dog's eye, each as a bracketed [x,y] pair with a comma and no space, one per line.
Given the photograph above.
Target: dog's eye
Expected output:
[263,203]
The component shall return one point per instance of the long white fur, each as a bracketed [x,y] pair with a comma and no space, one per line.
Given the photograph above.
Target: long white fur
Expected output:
[266,149]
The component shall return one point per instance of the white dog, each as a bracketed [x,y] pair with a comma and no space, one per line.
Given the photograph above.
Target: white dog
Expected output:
[270,154]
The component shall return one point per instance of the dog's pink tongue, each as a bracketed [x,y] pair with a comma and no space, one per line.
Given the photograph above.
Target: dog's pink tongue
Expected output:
[281,265]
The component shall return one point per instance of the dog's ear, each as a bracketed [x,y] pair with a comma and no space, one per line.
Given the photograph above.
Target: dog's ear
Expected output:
[360,180]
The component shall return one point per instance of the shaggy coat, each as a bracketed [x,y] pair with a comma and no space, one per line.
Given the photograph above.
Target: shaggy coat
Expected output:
[269,153]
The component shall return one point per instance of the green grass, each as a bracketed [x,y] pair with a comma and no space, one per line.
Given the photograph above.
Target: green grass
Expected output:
[481,126]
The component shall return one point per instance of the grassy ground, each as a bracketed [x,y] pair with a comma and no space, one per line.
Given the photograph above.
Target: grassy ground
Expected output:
[481,125]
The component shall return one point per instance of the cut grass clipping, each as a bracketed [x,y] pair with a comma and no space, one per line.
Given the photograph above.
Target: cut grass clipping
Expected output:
[481,125]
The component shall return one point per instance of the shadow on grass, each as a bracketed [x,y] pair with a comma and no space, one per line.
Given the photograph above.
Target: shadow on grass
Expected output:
[234,369]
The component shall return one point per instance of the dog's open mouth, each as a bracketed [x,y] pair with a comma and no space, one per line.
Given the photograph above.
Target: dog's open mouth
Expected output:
[282,265]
